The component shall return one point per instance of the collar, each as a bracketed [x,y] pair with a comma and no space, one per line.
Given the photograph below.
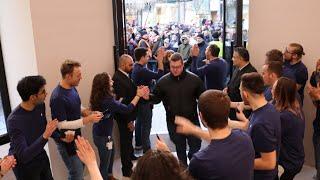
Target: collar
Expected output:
[244,66]
[181,76]
[123,72]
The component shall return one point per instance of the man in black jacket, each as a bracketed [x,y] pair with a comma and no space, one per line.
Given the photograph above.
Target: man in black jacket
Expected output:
[179,91]
[125,91]
[242,65]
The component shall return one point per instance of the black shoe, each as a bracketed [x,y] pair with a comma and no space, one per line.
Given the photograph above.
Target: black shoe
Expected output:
[134,158]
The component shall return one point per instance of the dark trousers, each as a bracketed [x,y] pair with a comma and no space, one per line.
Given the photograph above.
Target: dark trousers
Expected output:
[106,156]
[316,146]
[289,174]
[181,143]
[38,169]
[143,126]
[126,148]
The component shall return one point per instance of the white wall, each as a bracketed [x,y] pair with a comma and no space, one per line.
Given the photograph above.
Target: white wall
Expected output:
[274,24]
[17,44]
[80,30]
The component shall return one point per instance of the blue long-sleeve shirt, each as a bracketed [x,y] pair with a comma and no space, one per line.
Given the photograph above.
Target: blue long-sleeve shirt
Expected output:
[26,130]
[141,75]
[109,106]
[214,73]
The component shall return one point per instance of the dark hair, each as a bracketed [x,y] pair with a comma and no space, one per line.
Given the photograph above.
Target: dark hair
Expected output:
[214,50]
[100,90]
[140,52]
[176,57]
[275,67]
[30,85]
[243,52]
[68,66]
[253,82]
[274,55]
[298,49]
[285,96]
[158,165]
[214,106]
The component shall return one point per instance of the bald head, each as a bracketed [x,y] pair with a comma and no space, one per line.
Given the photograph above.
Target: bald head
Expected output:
[126,63]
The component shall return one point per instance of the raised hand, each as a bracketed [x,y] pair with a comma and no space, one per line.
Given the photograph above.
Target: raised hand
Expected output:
[160,54]
[85,151]
[50,128]
[195,51]
[184,126]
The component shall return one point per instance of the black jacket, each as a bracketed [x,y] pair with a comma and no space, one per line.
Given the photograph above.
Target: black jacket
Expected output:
[234,83]
[179,95]
[124,88]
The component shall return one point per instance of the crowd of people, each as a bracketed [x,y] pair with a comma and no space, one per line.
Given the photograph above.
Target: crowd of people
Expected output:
[254,122]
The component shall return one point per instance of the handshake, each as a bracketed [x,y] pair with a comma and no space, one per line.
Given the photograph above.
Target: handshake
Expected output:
[143,91]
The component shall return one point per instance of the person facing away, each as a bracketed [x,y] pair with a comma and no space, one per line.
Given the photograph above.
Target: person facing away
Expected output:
[29,131]
[230,154]
[66,106]
[291,156]
[214,72]
[179,92]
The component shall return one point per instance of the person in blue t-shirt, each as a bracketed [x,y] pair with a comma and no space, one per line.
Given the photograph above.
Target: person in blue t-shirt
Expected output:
[275,55]
[141,75]
[271,72]
[65,106]
[292,127]
[264,126]
[214,72]
[293,60]
[29,131]
[230,154]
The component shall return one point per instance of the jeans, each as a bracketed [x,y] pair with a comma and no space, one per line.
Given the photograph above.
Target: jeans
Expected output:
[143,126]
[181,145]
[37,169]
[105,155]
[73,163]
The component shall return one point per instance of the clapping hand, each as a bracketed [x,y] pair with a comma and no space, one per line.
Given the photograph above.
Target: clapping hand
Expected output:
[160,54]
[7,163]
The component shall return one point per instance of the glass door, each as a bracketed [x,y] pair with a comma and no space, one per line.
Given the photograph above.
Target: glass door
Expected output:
[5,108]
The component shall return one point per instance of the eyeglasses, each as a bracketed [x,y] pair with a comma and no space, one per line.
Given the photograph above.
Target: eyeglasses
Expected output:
[286,51]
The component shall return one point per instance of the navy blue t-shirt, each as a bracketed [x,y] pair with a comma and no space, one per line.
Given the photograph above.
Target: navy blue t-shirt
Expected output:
[265,131]
[314,80]
[292,133]
[268,94]
[286,72]
[225,159]
[26,129]
[110,106]
[66,105]
[300,72]
[214,73]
